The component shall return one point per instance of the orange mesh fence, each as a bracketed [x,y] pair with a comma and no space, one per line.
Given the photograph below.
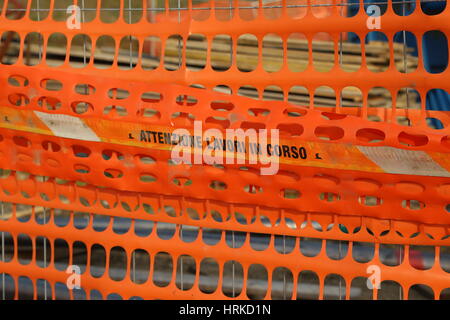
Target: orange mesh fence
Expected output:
[258,268]
[214,214]
[161,105]
[87,136]
[111,158]
[125,44]
[317,190]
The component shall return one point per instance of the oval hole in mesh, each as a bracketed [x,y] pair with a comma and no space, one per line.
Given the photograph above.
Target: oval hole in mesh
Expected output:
[163,269]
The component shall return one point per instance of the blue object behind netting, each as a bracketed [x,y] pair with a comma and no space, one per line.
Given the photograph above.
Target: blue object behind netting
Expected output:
[435,46]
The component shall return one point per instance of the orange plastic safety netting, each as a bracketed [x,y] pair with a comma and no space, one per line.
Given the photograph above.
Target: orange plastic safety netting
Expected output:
[216,264]
[70,136]
[81,143]
[237,40]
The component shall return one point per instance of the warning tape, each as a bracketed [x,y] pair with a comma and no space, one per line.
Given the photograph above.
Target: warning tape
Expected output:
[291,151]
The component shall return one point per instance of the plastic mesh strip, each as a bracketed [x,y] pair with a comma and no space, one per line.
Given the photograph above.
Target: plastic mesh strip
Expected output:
[257,274]
[177,106]
[258,235]
[19,187]
[369,194]
[174,32]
